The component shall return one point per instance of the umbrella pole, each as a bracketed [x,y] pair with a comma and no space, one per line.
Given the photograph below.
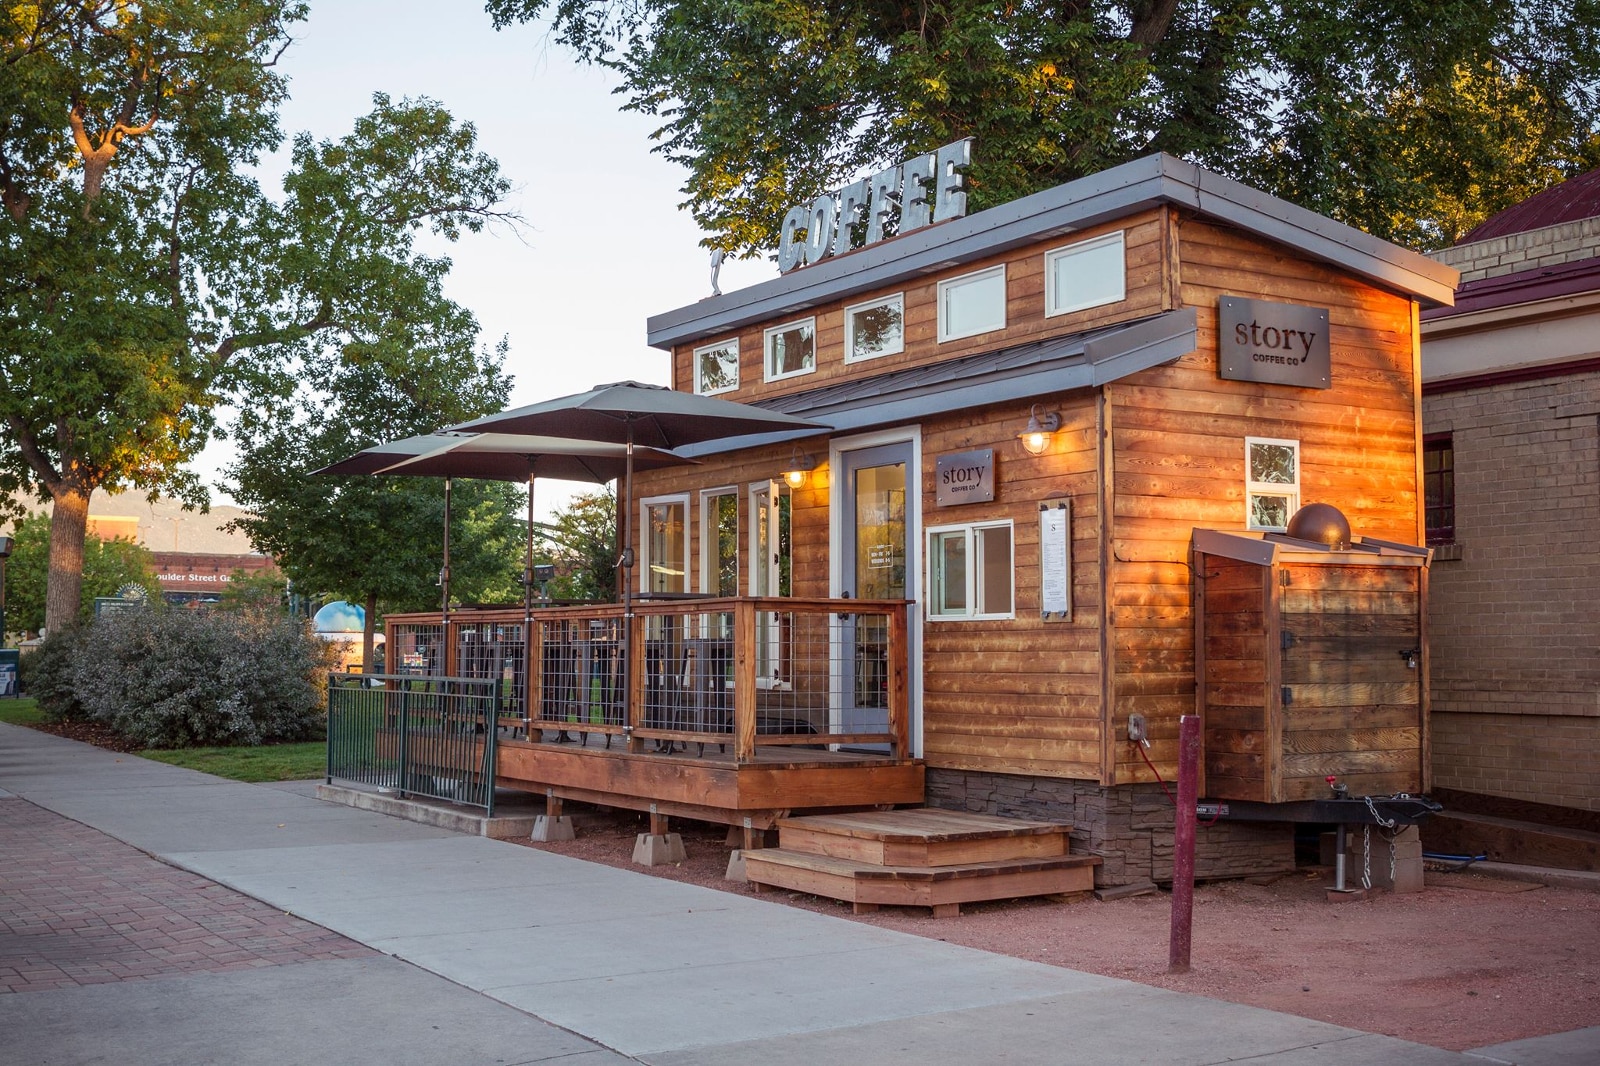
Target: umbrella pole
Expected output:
[627,587]
[444,584]
[527,620]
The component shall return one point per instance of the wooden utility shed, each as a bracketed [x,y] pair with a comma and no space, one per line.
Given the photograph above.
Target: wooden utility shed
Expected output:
[1312,663]
[1023,705]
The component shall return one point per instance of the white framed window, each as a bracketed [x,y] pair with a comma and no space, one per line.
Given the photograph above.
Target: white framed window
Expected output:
[664,544]
[716,368]
[1086,274]
[875,328]
[970,571]
[719,541]
[1272,482]
[972,304]
[791,349]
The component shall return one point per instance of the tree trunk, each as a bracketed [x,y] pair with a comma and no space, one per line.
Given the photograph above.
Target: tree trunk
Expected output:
[368,632]
[69,521]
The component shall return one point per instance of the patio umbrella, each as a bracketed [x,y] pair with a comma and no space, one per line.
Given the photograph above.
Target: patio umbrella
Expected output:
[499,457]
[635,414]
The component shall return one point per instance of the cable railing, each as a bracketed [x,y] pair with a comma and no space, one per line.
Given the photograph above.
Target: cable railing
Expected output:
[695,674]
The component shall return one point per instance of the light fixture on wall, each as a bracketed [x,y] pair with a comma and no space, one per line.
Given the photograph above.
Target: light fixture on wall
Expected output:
[1036,438]
[800,465]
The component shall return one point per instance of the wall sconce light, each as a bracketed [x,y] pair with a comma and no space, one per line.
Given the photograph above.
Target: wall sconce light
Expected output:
[800,465]
[1036,438]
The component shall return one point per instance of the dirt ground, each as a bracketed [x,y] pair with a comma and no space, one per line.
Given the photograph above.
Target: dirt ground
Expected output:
[1470,961]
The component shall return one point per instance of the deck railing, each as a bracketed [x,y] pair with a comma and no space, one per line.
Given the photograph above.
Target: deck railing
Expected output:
[736,673]
[418,735]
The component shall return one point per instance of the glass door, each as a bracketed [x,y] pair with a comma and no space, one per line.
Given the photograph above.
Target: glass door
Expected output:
[875,563]
[771,570]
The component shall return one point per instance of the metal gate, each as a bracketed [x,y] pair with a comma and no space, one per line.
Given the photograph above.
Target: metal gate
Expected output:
[420,736]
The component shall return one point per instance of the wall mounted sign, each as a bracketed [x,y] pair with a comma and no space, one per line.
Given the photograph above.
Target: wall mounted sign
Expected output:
[1055,560]
[1278,344]
[929,188]
[964,477]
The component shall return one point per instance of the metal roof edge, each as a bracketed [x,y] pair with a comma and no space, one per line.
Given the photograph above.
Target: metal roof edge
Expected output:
[1078,204]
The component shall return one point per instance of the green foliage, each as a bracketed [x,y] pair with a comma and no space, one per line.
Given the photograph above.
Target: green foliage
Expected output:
[47,675]
[109,566]
[584,548]
[1412,119]
[262,590]
[269,762]
[145,278]
[174,679]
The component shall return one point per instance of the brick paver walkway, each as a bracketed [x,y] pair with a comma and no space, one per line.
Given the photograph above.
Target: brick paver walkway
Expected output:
[80,908]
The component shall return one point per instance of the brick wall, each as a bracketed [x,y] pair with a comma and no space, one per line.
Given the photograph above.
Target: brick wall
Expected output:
[1550,246]
[1515,620]
[1129,826]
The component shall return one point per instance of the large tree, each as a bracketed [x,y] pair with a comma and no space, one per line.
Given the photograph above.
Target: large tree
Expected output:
[1412,119]
[145,277]
[376,540]
[110,567]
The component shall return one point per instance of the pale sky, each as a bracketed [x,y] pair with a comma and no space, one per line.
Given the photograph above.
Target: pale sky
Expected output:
[605,246]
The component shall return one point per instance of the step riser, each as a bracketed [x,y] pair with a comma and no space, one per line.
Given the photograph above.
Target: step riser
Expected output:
[922,853]
[920,894]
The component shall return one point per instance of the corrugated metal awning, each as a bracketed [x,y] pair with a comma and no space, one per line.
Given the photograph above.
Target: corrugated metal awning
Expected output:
[1022,372]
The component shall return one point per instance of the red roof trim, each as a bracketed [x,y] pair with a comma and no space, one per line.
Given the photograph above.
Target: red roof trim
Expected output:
[1523,287]
[1509,377]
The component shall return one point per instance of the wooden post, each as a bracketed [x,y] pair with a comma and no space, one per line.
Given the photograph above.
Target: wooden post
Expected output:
[633,709]
[899,699]
[744,681]
[658,823]
[1183,834]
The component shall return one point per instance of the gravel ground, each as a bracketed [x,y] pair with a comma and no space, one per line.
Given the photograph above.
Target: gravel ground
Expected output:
[1470,961]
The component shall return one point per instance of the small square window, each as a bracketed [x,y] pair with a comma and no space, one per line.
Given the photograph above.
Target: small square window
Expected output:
[1272,482]
[970,571]
[874,329]
[716,368]
[791,349]
[1087,274]
[972,304]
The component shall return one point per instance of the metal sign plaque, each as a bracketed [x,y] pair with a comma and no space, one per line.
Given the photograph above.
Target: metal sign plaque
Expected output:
[1278,344]
[964,477]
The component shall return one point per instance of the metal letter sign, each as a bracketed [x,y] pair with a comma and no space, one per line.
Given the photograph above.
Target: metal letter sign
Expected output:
[964,477]
[1277,344]
[929,188]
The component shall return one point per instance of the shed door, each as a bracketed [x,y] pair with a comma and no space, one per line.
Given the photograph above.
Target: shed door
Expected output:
[1351,672]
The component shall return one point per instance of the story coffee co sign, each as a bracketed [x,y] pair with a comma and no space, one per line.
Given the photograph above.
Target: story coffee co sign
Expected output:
[920,191]
[1277,344]
[964,477]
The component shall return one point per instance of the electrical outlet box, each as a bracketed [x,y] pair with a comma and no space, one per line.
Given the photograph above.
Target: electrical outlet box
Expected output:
[1136,728]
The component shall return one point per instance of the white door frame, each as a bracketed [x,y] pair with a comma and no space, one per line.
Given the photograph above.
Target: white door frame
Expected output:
[836,499]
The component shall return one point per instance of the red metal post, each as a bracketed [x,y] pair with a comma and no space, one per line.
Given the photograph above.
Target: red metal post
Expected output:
[1183,844]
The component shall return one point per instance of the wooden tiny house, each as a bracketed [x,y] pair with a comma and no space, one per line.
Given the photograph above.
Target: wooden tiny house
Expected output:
[1312,664]
[1032,410]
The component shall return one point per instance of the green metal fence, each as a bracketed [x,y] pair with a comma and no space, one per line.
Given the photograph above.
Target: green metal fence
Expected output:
[433,737]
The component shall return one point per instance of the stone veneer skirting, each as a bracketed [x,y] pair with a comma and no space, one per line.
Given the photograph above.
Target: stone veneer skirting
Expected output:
[1128,826]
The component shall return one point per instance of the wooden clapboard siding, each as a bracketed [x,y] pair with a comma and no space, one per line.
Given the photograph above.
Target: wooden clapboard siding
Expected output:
[1351,704]
[1149,290]
[1019,695]
[1233,646]
[1177,462]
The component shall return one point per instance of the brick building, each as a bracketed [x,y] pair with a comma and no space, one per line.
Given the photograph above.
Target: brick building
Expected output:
[1511,422]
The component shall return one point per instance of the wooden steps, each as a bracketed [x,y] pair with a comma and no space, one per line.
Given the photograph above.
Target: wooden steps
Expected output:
[920,858]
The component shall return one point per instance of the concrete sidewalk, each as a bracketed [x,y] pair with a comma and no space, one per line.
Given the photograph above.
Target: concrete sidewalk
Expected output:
[621,965]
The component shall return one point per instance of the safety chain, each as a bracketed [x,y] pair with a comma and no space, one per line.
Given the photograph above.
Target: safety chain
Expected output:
[1366,844]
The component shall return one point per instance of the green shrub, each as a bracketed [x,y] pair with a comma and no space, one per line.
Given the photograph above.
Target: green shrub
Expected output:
[174,679]
[46,674]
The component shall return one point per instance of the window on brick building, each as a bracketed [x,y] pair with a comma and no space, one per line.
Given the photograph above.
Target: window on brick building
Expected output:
[1439,488]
